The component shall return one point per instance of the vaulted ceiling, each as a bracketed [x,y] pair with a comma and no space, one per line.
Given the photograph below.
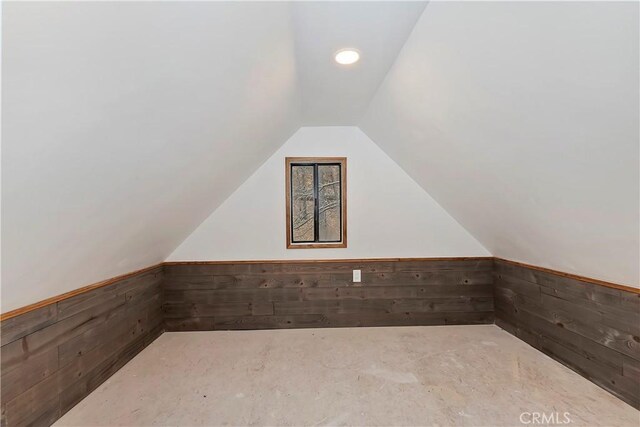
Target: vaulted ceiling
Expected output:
[125,124]
[334,95]
[522,121]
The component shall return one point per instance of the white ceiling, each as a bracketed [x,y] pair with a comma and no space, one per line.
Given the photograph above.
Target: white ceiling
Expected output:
[125,124]
[522,120]
[334,95]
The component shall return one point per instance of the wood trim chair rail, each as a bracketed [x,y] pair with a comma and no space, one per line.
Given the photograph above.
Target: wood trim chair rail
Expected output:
[66,295]
[573,276]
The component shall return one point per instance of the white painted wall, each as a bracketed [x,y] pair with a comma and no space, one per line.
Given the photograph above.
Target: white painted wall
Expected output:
[125,124]
[521,119]
[389,215]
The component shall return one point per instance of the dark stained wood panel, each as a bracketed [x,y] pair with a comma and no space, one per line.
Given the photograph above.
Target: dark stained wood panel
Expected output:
[19,326]
[300,294]
[591,328]
[54,355]
[55,299]
[630,289]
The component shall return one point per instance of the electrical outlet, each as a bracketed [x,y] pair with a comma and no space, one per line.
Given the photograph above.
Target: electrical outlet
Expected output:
[357,277]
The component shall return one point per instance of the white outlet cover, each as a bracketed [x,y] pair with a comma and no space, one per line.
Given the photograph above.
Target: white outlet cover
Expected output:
[357,277]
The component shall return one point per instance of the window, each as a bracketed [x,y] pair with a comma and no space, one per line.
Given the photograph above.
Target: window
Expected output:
[316,202]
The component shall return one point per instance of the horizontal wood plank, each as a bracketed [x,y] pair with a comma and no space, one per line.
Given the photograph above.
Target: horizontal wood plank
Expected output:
[54,355]
[212,296]
[16,327]
[57,351]
[592,329]
[70,294]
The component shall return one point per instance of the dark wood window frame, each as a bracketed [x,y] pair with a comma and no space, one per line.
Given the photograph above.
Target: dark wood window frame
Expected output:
[316,161]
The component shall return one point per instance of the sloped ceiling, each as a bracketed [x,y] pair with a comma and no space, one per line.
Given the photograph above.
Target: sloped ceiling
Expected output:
[125,124]
[521,119]
[377,190]
[334,95]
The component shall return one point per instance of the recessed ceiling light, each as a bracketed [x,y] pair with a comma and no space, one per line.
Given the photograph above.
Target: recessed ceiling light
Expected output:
[347,56]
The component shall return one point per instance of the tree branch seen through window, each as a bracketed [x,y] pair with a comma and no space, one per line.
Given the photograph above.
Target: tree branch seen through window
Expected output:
[316,205]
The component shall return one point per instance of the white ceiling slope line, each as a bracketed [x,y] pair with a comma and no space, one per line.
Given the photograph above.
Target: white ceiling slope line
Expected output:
[151,114]
[506,112]
[453,218]
[389,215]
[147,119]
[334,95]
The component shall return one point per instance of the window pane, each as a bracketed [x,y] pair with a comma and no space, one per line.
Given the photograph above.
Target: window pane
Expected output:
[302,205]
[329,208]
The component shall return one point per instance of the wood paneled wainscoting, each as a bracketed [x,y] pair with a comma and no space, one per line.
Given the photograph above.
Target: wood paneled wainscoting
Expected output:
[58,351]
[587,325]
[297,294]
